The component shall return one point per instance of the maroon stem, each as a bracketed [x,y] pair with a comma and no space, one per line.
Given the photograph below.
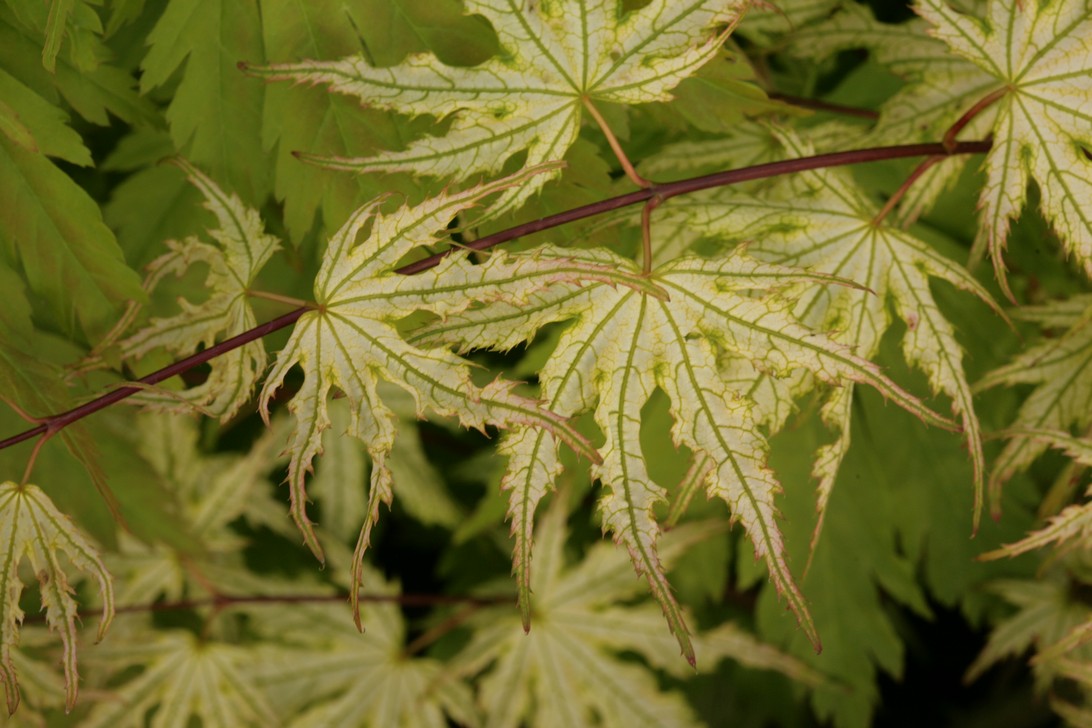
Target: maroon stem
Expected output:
[225,601]
[663,191]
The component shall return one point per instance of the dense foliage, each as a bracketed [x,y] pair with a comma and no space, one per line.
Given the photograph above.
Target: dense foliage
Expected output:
[405,282]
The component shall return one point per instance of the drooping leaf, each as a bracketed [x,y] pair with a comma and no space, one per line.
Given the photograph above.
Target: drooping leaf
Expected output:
[241,249]
[821,220]
[554,57]
[668,334]
[350,342]
[31,527]
[1040,59]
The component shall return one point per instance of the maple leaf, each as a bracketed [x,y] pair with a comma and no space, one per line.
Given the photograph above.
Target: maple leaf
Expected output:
[184,678]
[1039,55]
[213,490]
[31,526]
[51,226]
[580,629]
[1046,614]
[626,342]
[1061,367]
[555,57]
[317,668]
[350,341]
[215,113]
[821,220]
[241,249]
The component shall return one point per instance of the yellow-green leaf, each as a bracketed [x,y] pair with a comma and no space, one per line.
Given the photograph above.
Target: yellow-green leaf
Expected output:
[32,528]
[554,57]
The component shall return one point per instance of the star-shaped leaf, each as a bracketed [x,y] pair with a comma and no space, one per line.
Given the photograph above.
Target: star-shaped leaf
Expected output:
[318,668]
[32,527]
[350,341]
[821,220]
[555,57]
[184,679]
[1039,55]
[567,669]
[626,342]
[241,249]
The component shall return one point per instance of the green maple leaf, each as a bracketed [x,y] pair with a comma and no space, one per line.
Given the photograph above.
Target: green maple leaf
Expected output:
[215,113]
[32,527]
[241,249]
[1039,57]
[823,221]
[625,343]
[349,340]
[1061,369]
[80,77]
[580,629]
[555,56]
[185,679]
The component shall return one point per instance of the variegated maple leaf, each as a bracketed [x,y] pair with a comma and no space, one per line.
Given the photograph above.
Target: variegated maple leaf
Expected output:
[1039,55]
[184,678]
[32,527]
[626,342]
[349,341]
[212,490]
[821,220]
[241,249]
[1061,369]
[315,666]
[555,57]
[567,671]
[939,88]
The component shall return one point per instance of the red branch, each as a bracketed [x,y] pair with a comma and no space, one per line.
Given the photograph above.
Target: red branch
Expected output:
[662,191]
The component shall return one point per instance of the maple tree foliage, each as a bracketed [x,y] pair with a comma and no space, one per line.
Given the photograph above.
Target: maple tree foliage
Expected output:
[325,308]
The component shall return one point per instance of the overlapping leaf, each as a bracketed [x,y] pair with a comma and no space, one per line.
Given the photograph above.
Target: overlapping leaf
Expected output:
[184,679]
[1061,369]
[624,343]
[215,112]
[822,221]
[212,491]
[1039,56]
[555,56]
[241,249]
[350,341]
[31,527]
[49,225]
[567,671]
[319,669]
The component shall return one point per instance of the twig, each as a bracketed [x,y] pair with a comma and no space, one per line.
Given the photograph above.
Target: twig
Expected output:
[664,191]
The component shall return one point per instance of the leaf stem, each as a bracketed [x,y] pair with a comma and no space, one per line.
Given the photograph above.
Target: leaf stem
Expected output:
[664,191]
[225,601]
[949,139]
[289,300]
[615,146]
[905,187]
